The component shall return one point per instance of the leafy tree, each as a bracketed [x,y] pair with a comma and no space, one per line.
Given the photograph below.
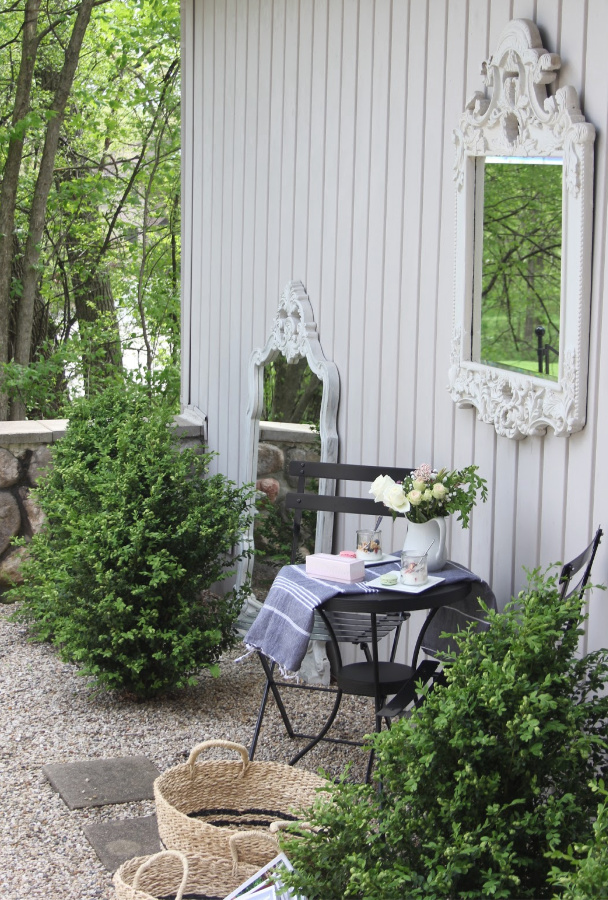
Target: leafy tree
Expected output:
[490,775]
[106,280]
[136,531]
[37,210]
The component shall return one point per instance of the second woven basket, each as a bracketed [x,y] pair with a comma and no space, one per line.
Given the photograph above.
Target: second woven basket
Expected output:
[199,804]
[171,873]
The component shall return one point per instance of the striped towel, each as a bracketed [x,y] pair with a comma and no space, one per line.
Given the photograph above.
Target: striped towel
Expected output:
[283,626]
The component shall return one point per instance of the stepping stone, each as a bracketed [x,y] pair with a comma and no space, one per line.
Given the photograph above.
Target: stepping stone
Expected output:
[118,840]
[99,782]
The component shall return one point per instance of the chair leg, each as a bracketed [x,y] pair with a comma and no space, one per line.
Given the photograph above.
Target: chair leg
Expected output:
[270,686]
[322,733]
[370,766]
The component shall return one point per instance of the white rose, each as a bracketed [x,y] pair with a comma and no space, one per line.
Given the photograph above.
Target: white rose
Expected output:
[395,499]
[439,490]
[414,497]
[428,495]
[418,485]
[380,486]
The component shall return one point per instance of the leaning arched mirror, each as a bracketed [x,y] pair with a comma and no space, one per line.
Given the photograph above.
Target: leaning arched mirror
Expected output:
[524,179]
[294,339]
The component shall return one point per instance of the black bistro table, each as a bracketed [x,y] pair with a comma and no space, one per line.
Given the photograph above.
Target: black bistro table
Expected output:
[281,632]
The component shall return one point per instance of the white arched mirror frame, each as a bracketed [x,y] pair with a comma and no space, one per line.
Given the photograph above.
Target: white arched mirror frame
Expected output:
[294,335]
[520,119]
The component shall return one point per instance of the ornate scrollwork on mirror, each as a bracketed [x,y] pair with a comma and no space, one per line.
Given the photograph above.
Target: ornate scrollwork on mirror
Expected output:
[521,332]
[294,335]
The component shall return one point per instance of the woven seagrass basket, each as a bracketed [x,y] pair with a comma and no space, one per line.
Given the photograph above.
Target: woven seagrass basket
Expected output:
[172,874]
[200,804]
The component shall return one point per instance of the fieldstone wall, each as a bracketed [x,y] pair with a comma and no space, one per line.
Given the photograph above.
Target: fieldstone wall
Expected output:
[279,444]
[25,455]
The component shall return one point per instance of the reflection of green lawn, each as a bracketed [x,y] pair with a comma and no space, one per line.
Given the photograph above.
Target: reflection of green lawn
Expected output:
[523,365]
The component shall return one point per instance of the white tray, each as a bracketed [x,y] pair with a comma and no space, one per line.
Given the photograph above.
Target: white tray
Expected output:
[406,588]
[382,561]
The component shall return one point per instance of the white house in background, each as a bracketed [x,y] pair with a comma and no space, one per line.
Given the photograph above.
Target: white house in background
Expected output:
[318,147]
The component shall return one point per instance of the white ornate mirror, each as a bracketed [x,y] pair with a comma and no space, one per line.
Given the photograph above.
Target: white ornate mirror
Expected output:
[524,180]
[294,335]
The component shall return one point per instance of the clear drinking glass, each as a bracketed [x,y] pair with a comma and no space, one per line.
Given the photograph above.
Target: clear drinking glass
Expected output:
[414,569]
[369,545]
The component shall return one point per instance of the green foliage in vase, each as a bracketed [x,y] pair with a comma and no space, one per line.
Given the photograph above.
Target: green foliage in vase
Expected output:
[491,774]
[425,493]
[136,530]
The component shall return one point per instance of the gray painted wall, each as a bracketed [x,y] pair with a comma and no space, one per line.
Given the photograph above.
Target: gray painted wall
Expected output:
[317,146]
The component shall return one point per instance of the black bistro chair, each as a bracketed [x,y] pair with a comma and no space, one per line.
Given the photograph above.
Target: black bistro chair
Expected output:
[440,623]
[578,570]
[346,624]
[435,639]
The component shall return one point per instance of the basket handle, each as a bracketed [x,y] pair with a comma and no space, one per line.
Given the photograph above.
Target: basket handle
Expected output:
[156,858]
[217,742]
[280,824]
[244,836]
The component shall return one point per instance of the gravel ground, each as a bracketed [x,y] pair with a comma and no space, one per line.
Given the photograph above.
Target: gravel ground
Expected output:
[50,714]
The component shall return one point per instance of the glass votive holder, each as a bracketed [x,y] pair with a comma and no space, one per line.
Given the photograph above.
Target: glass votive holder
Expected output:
[414,569]
[369,545]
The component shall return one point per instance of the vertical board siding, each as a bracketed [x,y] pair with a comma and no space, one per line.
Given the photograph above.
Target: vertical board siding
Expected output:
[318,146]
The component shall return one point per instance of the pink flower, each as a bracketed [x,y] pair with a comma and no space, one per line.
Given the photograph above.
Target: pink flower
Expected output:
[423,473]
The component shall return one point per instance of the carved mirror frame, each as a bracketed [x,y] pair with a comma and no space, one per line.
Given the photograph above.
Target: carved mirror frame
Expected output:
[294,335]
[520,119]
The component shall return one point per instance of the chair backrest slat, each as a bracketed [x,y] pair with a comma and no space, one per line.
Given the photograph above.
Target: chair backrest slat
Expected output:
[344,471]
[318,502]
[338,473]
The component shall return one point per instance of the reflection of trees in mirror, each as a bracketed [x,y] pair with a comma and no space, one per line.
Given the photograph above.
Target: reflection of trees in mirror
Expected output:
[292,392]
[521,273]
[273,532]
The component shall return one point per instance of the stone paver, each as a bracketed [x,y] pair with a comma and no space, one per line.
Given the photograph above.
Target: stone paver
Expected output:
[118,840]
[99,782]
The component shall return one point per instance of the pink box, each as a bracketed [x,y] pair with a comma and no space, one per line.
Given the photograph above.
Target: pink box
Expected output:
[336,568]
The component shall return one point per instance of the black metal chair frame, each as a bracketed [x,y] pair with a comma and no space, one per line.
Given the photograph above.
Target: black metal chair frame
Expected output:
[583,562]
[299,501]
[429,671]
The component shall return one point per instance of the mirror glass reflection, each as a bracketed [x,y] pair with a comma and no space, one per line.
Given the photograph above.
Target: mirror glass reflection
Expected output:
[518,250]
[292,392]
[292,399]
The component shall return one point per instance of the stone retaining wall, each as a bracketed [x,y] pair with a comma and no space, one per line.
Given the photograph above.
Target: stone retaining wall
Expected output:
[279,444]
[25,454]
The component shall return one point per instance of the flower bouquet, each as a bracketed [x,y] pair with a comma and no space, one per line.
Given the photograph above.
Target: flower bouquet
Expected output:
[425,494]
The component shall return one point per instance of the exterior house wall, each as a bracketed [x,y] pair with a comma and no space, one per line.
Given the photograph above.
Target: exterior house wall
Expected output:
[318,146]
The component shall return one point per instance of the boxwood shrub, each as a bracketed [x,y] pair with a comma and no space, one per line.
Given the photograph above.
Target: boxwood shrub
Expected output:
[136,531]
[487,783]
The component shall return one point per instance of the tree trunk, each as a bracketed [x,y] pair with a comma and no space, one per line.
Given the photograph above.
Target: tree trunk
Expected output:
[10,177]
[25,316]
[94,300]
[91,289]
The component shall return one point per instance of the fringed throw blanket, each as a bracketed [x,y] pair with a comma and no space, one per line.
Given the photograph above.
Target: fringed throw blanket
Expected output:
[283,626]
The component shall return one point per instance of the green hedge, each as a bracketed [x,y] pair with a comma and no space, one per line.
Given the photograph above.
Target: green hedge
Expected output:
[136,531]
[482,788]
